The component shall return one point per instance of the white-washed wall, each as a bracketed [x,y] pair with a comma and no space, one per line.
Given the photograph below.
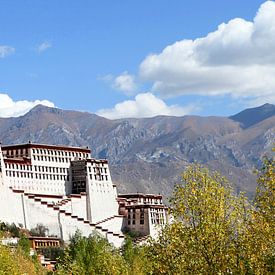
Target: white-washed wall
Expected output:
[102,196]
[114,223]
[20,209]
[38,213]
[78,206]
[2,168]
[11,210]
[115,240]
[66,205]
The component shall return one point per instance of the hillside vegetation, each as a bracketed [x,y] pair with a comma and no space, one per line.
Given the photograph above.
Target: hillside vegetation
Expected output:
[17,260]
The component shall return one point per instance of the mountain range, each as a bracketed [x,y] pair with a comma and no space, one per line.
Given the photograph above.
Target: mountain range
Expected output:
[149,154]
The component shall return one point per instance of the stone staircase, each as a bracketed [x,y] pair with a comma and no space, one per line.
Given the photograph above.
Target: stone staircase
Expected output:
[59,205]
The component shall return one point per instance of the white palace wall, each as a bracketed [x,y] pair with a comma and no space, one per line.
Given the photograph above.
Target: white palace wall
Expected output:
[102,193]
[11,210]
[23,209]
[36,188]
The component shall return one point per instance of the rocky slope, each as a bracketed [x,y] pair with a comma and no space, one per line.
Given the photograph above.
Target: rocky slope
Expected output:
[148,155]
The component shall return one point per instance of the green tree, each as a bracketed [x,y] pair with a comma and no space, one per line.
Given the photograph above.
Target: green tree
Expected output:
[39,231]
[13,229]
[24,245]
[92,255]
[135,258]
[16,263]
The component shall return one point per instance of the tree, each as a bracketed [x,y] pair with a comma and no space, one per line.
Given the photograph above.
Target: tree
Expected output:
[39,231]
[92,255]
[265,193]
[24,245]
[261,233]
[135,258]
[13,229]
[206,236]
[15,262]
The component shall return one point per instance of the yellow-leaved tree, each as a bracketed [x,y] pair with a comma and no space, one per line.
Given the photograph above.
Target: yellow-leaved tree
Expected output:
[206,235]
[261,230]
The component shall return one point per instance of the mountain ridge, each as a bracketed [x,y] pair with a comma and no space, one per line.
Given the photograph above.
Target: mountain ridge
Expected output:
[251,116]
[149,154]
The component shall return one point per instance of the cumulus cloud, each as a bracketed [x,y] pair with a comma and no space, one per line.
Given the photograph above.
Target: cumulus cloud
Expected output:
[237,59]
[125,83]
[6,50]
[11,108]
[43,46]
[144,105]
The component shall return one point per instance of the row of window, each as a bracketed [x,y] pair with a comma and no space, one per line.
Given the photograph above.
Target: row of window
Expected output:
[99,177]
[38,188]
[60,153]
[98,170]
[157,210]
[101,190]
[37,175]
[132,216]
[16,153]
[37,168]
[150,201]
[49,176]
[45,154]
[52,159]
[46,244]
[157,217]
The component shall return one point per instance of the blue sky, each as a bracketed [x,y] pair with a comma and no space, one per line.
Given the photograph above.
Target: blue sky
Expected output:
[136,58]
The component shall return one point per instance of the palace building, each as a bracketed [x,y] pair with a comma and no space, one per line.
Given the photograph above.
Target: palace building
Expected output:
[144,213]
[65,189]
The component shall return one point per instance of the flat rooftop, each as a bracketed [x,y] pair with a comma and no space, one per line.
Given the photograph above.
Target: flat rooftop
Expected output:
[139,195]
[45,146]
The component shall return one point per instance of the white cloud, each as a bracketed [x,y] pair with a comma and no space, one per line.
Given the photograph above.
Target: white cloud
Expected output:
[144,105]
[237,59]
[10,108]
[43,46]
[125,83]
[6,50]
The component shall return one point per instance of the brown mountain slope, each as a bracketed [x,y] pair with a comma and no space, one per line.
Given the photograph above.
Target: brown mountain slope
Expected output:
[148,155]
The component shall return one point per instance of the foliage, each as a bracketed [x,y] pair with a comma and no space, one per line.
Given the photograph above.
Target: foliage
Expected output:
[24,245]
[11,228]
[92,255]
[15,262]
[39,231]
[261,227]
[130,233]
[265,193]
[135,258]
[51,253]
[215,231]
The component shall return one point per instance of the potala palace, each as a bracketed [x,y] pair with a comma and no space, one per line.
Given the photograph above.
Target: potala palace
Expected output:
[65,189]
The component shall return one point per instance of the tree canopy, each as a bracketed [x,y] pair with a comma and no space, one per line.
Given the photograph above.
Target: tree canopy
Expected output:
[214,230]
